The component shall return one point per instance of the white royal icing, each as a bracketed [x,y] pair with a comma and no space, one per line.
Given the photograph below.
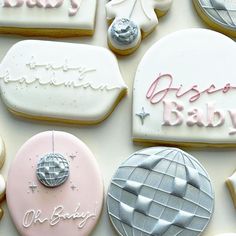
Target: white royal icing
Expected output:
[185,90]
[63,14]
[221,12]
[60,80]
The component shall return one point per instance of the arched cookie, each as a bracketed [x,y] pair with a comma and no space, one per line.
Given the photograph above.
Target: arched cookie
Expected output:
[61,81]
[55,18]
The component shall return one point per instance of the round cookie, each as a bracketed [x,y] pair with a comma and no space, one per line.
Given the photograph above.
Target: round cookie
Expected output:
[160,191]
[2,152]
[219,14]
[72,199]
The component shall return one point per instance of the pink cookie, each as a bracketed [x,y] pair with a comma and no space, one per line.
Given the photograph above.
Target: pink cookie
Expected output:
[54,187]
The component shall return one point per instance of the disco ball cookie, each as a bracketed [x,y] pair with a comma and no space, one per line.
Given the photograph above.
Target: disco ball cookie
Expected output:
[160,191]
[219,14]
[58,186]
[58,81]
[131,21]
[188,98]
[55,18]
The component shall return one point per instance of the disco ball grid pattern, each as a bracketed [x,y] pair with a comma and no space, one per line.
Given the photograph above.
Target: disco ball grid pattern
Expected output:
[52,170]
[163,205]
[221,14]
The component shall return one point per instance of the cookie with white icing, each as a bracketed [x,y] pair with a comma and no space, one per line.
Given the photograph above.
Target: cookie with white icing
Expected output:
[58,185]
[131,21]
[61,81]
[184,91]
[219,14]
[160,191]
[56,18]
[228,234]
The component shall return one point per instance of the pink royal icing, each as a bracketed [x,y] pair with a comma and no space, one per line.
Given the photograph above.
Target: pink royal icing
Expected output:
[73,207]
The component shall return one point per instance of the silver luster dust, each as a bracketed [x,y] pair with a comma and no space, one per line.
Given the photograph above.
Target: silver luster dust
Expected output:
[160,191]
[124,31]
[52,170]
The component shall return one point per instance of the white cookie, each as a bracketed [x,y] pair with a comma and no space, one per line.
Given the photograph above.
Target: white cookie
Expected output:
[2,188]
[61,81]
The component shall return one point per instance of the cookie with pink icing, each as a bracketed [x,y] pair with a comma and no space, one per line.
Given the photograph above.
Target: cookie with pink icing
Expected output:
[56,18]
[185,91]
[58,185]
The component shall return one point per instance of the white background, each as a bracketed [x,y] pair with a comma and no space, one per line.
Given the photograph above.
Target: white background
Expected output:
[111,141]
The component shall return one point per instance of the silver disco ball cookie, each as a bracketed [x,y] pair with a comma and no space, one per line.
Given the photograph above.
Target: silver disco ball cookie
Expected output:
[160,191]
[52,170]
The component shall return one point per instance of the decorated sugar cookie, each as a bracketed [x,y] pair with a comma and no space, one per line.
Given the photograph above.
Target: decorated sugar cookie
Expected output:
[58,186]
[2,181]
[219,14]
[231,183]
[57,18]
[61,81]
[184,91]
[132,20]
[160,191]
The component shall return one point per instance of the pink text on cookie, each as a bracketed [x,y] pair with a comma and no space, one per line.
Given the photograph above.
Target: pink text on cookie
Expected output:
[156,95]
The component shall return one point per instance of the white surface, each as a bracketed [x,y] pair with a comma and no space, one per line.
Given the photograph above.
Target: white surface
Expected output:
[111,140]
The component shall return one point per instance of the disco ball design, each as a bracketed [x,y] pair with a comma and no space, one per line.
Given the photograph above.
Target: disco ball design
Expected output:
[124,31]
[160,191]
[222,12]
[52,170]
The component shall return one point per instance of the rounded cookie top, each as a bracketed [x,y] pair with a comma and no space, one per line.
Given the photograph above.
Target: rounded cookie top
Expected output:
[222,13]
[160,191]
[58,186]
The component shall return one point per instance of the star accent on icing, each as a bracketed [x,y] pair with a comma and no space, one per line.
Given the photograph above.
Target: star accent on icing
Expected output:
[231,183]
[142,115]
[33,187]
[72,157]
[73,187]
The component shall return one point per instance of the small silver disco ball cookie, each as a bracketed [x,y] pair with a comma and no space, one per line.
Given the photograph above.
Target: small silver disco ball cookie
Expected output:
[160,191]
[124,32]
[52,170]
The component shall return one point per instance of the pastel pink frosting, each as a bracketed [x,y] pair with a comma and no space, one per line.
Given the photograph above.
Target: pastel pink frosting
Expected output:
[71,209]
